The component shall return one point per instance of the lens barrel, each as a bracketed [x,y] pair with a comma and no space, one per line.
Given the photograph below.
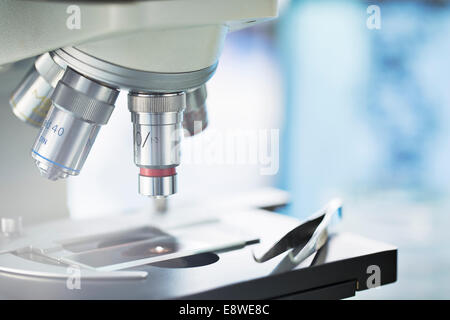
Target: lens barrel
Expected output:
[31,101]
[80,107]
[157,126]
[195,118]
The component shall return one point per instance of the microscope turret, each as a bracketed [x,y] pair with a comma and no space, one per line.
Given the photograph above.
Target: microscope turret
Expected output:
[161,52]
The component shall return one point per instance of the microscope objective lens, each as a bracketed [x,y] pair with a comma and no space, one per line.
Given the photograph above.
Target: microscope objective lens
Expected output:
[80,107]
[31,101]
[157,126]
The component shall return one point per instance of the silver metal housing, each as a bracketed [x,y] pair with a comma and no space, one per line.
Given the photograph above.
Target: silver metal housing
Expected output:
[157,186]
[80,107]
[157,126]
[132,79]
[31,102]
[195,118]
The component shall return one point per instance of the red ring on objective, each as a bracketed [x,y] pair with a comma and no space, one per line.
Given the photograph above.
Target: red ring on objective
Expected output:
[157,172]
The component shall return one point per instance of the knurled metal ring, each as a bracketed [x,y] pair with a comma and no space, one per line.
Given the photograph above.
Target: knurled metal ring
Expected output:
[82,106]
[156,103]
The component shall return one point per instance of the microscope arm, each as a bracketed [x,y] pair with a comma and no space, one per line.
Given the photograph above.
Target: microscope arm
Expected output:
[157,36]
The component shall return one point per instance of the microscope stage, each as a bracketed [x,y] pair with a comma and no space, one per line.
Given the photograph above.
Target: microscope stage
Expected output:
[223,268]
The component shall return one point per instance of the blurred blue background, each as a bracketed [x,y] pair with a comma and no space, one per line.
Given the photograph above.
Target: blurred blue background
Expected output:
[367,118]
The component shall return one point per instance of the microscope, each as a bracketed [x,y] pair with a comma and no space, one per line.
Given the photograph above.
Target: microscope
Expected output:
[162,53]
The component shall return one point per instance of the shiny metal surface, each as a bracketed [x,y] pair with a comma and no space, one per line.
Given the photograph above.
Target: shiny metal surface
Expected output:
[85,98]
[231,229]
[80,107]
[116,243]
[156,139]
[132,79]
[305,239]
[16,265]
[47,67]
[30,102]
[195,118]
[157,186]
[157,128]
[63,144]
[320,235]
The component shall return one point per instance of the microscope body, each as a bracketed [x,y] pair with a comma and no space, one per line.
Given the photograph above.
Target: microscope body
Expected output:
[161,52]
